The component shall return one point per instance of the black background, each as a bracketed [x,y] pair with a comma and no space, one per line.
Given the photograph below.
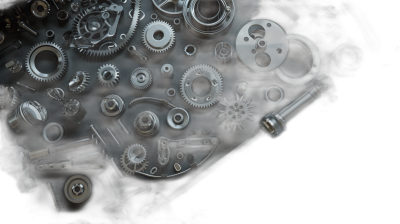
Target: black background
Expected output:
[320,159]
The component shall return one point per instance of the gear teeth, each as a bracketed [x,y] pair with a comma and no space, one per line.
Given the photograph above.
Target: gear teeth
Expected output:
[16,100]
[168,46]
[84,84]
[44,10]
[126,165]
[148,83]
[113,81]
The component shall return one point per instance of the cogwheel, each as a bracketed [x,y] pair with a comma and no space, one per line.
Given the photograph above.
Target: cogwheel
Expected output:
[158,36]
[62,65]
[40,8]
[9,97]
[78,82]
[108,75]
[236,112]
[134,159]
[193,82]
[141,78]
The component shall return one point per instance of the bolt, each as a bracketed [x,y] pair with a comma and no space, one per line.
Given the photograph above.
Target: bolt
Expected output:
[23,25]
[27,87]
[97,133]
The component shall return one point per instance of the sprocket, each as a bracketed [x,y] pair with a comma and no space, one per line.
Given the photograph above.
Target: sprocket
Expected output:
[108,75]
[158,36]
[134,159]
[141,78]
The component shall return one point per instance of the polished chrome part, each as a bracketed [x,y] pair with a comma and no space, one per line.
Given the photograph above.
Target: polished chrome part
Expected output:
[74,110]
[79,82]
[169,8]
[133,50]
[179,155]
[40,8]
[141,78]
[178,118]
[28,115]
[63,16]
[9,97]
[112,105]
[190,50]
[158,36]
[113,135]
[122,36]
[75,7]
[262,45]
[271,96]
[108,75]
[77,189]
[223,52]
[177,167]
[167,70]
[53,132]
[154,16]
[147,124]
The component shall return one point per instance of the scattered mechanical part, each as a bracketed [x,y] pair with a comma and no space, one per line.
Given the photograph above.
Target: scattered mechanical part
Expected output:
[62,65]
[134,159]
[171,11]
[75,7]
[112,105]
[141,17]
[53,132]
[200,132]
[146,124]
[108,75]
[241,88]
[223,52]
[163,152]
[40,8]
[236,113]
[193,82]
[151,99]
[171,92]
[63,16]
[190,50]
[123,1]
[178,118]
[28,115]
[177,167]
[177,22]
[113,135]
[26,87]
[141,78]
[262,45]
[50,34]
[274,94]
[158,36]
[122,36]
[14,66]
[108,45]
[297,70]
[97,133]
[154,16]
[77,189]
[27,28]
[72,109]
[60,148]
[179,155]
[16,44]
[79,82]
[133,50]
[153,170]
[2,37]
[207,23]
[167,70]
[123,127]
[9,97]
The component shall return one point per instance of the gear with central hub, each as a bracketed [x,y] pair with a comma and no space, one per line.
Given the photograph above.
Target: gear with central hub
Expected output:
[40,8]
[158,36]
[141,78]
[193,82]
[134,159]
[108,75]
[9,97]
[79,81]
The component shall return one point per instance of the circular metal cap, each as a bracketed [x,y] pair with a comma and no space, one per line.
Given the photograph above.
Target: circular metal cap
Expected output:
[77,189]
[178,118]
[112,105]
[141,78]
[53,132]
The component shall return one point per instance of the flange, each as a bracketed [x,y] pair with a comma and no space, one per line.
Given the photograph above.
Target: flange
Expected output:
[112,105]
[77,189]
[178,118]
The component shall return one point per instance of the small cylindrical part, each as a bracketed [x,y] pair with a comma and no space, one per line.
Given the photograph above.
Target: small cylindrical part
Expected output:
[167,70]
[62,16]
[305,98]
[154,16]
[27,87]
[50,34]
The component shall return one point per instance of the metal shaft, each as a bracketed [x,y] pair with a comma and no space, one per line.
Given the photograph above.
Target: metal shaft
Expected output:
[23,25]
[27,87]
[97,134]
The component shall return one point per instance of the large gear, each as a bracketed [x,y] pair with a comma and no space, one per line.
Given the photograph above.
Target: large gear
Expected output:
[158,36]
[203,73]
[108,75]
[236,112]
[141,78]
[9,97]
[78,82]
[134,159]
[58,73]
[40,8]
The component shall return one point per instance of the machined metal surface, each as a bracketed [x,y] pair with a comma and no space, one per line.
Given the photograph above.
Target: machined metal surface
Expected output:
[141,78]
[108,75]
[28,115]
[190,50]
[40,8]
[223,52]
[167,70]
[158,36]
[77,189]
[9,97]
[169,8]
[134,159]
[14,66]
[274,94]
[178,118]
[236,112]
[112,105]
[147,124]
[53,132]
[78,82]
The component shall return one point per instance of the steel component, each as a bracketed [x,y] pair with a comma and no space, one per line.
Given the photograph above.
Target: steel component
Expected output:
[171,92]
[271,94]
[154,16]
[133,50]
[9,97]
[223,52]
[236,113]
[190,50]
[203,22]
[163,152]
[158,36]
[179,155]
[62,65]
[147,124]
[177,167]
[26,87]
[14,66]
[28,115]
[193,85]
[27,28]
[169,8]
[40,8]
[122,36]
[177,22]
[134,159]
[141,78]
[108,75]
[62,16]
[153,170]
[151,99]
[123,127]
[53,132]
[16,44]
[78,82]
[75,7]
[112,105]
[74,110]
[2,37]
[113,136]
[97,133]
[77,189]
[167,70]
[50,34]
[178,118]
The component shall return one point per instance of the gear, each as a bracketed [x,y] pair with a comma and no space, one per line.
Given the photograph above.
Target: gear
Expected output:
[62,66]
[134,159]
[78,82]
[40,8]
[158,36]
[236,112]
[9,97]
[141,78]
[108,75]
[190,86]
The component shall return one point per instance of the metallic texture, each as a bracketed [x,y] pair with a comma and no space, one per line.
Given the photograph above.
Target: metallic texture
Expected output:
[203,72]
[177,167]
[62,65]
[141,78]
[53,132]
[112,105]
[113,135]
[28,115]
[16,44]
[37,5]
[96,133]
[171,92]
[158,36]
[62,16]
[223,52]
[9,97]
[108,75]
[154,16]
[190,50]
[14,66]
[26,87]
[77,189]
[74,110]
[151,99]
[133,50]
[269,90]
[175,11]
[178,118]
[79,82]
[134,159]
[236,113]
[50,34]
[167,70]
[146,124]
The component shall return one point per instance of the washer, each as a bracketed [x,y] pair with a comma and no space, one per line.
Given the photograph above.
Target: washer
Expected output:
[53,132]
[112,105]
[178,118]
[274,88]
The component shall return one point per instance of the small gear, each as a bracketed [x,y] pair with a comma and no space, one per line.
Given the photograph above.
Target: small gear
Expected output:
[40,8]
[236,112]
[141,78]
[108,75]
[78,82]
[62,65]
[158,36]
[134,159]
[9,97]
[193,82]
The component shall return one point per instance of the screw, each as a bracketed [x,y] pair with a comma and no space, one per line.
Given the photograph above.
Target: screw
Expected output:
[27,87]
[97,134]
[23,25]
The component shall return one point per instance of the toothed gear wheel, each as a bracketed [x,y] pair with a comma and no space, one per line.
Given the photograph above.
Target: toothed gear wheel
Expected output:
[141,78]
[120,45]
[134,159]
[40,9]
[108,75]
[158,36]
[62,61]
[236,112]
[79,81]
[194,79]
[9,97]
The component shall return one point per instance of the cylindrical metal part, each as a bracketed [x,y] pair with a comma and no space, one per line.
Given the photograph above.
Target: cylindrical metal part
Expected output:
[309,96]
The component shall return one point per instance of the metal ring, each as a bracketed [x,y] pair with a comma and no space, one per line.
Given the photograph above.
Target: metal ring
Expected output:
[171,92]
[178,123]
[48,128]
[112,105]
[274,88]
